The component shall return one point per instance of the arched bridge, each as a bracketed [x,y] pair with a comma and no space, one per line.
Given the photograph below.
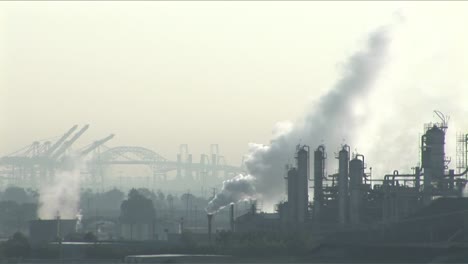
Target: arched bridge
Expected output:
[184,165]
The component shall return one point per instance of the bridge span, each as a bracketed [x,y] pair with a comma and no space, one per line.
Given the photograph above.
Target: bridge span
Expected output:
[184,166]
[36,163]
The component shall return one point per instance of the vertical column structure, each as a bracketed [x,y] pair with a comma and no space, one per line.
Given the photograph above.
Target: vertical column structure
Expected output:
[202,170]
[179,166]
[417,178]
[214,163]
[433,160]
[303,182]
[319,174]
[188,170]
[292,180]
[451,178]
[214,159]
[231,217]
[210,223]
[343,196]
[356,174]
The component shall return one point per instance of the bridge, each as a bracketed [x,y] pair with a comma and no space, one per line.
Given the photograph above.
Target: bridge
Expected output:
[38,161]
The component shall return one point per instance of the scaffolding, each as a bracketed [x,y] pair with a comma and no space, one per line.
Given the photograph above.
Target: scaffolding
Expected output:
[462,152]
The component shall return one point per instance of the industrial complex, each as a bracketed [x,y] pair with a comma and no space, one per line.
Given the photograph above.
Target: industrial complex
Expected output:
[349,208]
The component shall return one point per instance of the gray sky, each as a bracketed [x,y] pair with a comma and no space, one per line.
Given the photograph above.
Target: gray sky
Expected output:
[158,74]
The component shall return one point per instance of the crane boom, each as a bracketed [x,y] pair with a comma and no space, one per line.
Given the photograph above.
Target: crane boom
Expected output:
[60,141]
[96,144]
[70,142]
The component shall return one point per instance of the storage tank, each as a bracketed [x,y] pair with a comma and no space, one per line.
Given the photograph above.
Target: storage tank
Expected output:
[343,196]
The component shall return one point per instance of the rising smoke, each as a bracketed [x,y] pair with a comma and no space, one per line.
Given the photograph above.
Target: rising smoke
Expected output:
[62,196]
[236,189]
[331,120]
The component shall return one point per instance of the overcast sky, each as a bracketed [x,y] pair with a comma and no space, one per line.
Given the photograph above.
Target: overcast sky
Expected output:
[159,74]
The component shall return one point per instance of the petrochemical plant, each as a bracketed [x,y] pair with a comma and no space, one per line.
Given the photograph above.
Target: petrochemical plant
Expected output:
[351,201]
[349,207]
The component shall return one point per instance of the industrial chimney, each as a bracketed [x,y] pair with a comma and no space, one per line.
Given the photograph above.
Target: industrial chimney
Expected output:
[210,219]
[231,217]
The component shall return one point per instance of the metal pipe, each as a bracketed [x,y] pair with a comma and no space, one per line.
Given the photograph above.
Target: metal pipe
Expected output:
[231,217]
[210,219]
[461,174]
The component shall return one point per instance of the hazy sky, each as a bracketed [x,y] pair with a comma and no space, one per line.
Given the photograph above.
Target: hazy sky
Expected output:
[159,74]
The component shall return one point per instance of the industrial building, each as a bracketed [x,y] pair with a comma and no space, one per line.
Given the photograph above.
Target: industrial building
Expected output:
[351,200]
[46,231]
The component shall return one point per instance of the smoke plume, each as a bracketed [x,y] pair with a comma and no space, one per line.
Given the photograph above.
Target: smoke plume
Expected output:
[62,196]
[236,189]
[331,120]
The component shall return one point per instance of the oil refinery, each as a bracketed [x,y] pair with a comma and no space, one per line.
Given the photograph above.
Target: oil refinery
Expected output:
[355,207]
[351,209]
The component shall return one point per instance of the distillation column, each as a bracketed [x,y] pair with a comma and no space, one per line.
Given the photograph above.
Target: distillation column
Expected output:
[343,196]
[293,210]
[433,161]
[319,175]
[356,174]
[303,182]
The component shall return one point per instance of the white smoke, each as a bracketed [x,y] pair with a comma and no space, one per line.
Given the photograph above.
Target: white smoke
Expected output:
[79,221]
[332,119]
[62,196]
[426,74]
[239,188]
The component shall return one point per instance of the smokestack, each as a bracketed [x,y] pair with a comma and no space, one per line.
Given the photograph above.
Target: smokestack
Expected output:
[232,217]
[210,219]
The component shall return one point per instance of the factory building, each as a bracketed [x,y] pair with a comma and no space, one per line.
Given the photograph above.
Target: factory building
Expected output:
[352,199]
[46,231]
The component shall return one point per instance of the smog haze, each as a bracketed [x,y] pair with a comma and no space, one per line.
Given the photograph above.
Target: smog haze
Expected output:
[161,74]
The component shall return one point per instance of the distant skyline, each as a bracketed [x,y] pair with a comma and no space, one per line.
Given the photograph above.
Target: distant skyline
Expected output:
[161,74]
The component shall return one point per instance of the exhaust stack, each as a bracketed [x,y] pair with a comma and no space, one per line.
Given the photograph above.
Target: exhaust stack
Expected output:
[231,217]
[210,219]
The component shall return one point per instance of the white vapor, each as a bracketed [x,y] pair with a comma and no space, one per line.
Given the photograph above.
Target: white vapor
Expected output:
[236,189]
[62,196]
[331,120]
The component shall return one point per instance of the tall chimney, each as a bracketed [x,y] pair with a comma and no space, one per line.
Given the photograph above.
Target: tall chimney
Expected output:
[231,217]
[210,218]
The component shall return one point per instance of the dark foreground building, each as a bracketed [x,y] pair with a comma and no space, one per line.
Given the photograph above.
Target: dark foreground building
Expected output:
[46,231]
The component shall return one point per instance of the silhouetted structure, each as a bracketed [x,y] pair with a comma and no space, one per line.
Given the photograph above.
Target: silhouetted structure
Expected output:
[351,200]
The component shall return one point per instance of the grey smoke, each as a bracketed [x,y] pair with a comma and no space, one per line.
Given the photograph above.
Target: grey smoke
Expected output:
[329,121]
[61,197]
[236,189]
